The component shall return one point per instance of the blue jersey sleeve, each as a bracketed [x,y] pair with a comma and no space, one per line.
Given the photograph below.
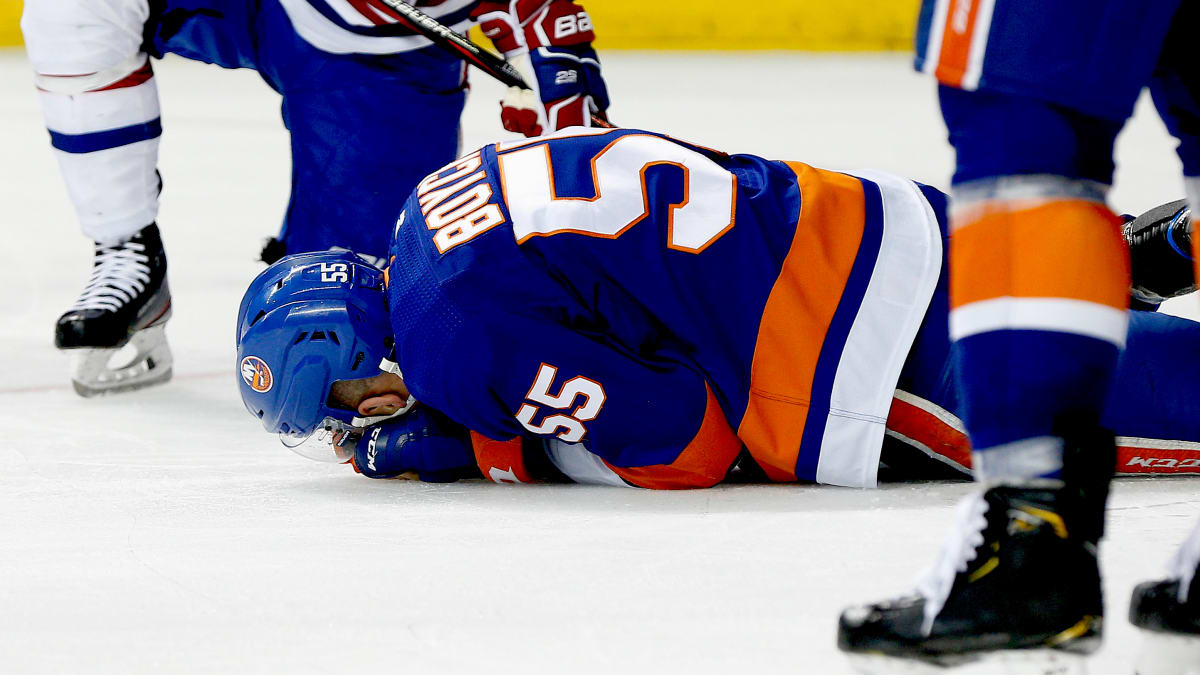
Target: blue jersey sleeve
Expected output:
[656,425]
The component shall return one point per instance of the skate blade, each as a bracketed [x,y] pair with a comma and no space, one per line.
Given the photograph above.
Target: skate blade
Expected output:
[143,362]
[1169,654]
[1002,662]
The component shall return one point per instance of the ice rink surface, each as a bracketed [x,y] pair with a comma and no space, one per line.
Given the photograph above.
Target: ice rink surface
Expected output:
[162,531]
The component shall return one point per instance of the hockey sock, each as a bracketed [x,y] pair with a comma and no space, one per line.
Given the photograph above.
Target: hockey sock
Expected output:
[105,136]
[1038,291]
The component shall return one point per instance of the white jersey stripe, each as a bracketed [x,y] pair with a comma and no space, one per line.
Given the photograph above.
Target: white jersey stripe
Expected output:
[1061,315]
[902,283]
[937,29]
[979,40]
[348,13]
[355,18]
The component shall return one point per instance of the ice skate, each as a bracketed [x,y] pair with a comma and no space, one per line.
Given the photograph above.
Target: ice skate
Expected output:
[1168,612]
[1015,588]
[115,328]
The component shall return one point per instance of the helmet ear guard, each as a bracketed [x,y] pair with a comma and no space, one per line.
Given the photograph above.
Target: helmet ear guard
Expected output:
[305,322]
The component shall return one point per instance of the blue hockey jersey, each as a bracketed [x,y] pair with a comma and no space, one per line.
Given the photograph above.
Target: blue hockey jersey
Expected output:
[654,308]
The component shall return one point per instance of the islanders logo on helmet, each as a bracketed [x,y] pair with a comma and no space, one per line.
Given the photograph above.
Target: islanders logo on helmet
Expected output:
[307,321]
[257,374]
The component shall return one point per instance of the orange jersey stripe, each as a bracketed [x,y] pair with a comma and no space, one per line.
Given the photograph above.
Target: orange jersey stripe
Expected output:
[956,41]
[1063,249]
[703,463]
[500,461]
[797,316]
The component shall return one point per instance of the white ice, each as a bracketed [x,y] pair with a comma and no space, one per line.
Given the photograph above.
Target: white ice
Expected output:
[164,531]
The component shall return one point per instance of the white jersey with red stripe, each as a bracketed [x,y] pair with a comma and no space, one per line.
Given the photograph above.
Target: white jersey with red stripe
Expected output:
[372,27]
[369,26]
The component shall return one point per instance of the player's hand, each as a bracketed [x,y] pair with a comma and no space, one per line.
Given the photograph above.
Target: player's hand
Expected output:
[422,442]
[499,26]
[519,112]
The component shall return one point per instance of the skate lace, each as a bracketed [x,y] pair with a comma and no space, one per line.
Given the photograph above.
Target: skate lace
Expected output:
[119,273]
[959,549]
[1183,565]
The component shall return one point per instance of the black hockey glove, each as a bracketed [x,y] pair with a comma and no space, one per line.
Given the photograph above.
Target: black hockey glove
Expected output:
[1160,252]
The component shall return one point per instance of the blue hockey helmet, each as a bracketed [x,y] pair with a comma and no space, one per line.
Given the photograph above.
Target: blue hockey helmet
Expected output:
[305,322]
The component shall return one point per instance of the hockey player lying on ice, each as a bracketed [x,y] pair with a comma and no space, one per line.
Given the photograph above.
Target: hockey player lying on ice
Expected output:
[619,307]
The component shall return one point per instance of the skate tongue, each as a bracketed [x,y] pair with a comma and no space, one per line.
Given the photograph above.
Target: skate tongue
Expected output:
[959,549]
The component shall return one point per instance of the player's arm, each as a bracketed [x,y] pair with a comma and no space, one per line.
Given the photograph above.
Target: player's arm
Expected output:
[423,444]
[556,37]
[655,424]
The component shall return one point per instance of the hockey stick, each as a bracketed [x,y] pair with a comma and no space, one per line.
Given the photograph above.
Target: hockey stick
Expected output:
[447,39]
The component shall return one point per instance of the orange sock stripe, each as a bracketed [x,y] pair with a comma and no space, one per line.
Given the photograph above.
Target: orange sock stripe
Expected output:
[1063,249]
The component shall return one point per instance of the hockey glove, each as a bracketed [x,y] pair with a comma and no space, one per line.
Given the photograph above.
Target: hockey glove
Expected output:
[423,441]
[559,37]
[1160,251]
[500,26]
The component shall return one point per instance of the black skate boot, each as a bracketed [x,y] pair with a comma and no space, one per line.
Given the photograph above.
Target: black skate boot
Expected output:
[1017,584]
[126,302]
[1169,613]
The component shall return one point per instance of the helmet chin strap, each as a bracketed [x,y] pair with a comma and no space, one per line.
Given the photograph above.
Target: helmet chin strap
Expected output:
[388,366]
